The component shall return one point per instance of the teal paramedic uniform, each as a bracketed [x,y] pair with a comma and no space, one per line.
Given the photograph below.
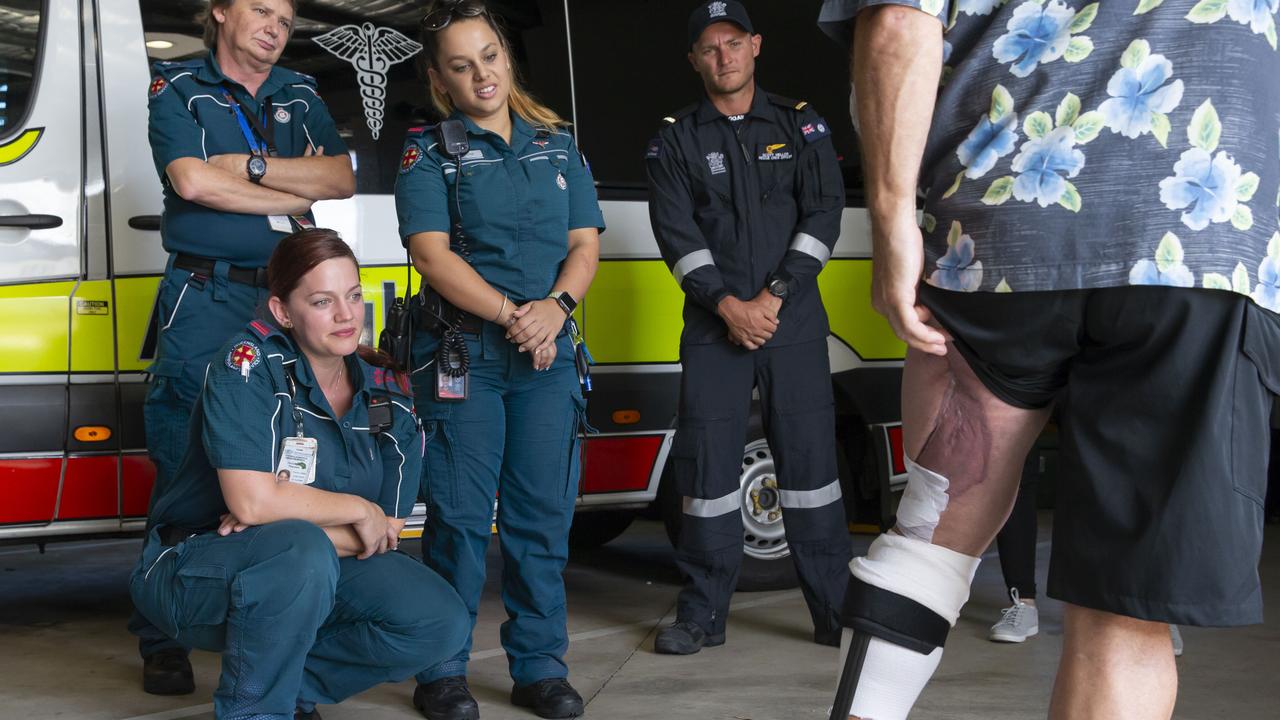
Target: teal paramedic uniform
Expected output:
[296,624]
[516,435]
[216,274]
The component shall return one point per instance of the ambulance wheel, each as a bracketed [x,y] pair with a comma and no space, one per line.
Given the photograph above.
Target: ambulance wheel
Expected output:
[593,529]
[766,558]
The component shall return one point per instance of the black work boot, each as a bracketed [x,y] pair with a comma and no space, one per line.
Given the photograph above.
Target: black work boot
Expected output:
[300,714]
[684,638]
[446,699]
[168,672]
[549,698]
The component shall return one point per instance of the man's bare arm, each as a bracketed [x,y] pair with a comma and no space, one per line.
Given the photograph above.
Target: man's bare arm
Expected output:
[315,176]
[896,65]
[204,184]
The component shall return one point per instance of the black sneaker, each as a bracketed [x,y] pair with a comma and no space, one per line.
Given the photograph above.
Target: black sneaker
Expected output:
[685,638]
[446,699]
[168,672]
[550,698]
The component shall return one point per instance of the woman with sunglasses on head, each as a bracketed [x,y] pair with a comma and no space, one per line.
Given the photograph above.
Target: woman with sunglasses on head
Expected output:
[499,213]
[273,543]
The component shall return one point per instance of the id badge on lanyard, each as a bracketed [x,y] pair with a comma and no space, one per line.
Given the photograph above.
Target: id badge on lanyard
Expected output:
[298,453]
[262,144]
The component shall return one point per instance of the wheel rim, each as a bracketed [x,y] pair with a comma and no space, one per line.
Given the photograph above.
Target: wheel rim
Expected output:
[763,534]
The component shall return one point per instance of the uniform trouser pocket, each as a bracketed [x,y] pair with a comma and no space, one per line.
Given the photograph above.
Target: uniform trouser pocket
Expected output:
[1257,381]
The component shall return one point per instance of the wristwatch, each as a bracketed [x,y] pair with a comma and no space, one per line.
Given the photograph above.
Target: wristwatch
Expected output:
[565,301]
[779,287]
[256,168]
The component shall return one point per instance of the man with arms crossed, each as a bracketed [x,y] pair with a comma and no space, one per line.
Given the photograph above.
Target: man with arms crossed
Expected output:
[243,149]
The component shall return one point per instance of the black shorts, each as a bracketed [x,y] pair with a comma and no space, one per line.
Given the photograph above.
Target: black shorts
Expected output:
[1164,401]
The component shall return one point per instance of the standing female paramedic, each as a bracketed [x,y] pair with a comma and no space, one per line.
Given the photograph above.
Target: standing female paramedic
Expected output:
[294,581]
[503,223]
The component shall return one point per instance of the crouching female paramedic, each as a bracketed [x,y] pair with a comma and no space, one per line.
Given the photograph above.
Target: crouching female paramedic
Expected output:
[502,221]
[296,582]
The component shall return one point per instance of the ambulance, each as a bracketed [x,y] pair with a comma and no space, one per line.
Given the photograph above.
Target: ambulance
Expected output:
[80,255]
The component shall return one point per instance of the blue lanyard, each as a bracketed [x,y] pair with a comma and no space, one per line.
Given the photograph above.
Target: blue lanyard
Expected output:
[256,146]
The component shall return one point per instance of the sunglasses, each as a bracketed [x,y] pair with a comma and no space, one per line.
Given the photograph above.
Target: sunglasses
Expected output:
[439,19]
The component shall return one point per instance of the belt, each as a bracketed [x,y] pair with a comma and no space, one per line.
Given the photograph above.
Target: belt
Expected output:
[171,535]
[256,277]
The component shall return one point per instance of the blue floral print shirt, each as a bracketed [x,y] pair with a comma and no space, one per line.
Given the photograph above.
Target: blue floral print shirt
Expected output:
[1081,144]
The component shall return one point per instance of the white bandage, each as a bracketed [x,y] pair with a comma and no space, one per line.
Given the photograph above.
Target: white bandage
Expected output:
[923,502]
[932,575]
[891,680]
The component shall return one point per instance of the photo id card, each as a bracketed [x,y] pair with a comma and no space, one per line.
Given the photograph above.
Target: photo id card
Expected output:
[280,223]
[298,460]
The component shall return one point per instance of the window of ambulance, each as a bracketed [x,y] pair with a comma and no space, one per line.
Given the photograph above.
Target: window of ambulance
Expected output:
[20,22]
[375,97]
[631,69]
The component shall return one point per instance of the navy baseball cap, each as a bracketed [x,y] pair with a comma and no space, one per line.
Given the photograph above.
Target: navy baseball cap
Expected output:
[709,13]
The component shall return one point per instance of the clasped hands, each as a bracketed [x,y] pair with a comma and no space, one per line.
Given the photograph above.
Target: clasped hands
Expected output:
[533,327]
[752,322]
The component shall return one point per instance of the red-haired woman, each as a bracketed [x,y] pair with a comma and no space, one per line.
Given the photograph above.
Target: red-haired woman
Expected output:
[296,581]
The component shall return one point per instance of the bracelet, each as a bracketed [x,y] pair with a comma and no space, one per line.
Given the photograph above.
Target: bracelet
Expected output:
[501,309]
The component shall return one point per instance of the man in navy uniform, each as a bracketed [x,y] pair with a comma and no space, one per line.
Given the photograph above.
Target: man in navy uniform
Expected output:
[243,149]
[746,203]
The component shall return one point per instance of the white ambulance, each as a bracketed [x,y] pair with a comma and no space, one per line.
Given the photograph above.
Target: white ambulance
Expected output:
[80,254]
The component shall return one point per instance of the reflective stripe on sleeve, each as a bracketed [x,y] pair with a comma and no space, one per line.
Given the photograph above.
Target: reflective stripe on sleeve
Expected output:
[811,246]
[691,262]
[715,507]
[802,499]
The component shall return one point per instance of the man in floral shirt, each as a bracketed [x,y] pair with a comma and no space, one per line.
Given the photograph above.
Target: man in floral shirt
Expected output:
[1101,184]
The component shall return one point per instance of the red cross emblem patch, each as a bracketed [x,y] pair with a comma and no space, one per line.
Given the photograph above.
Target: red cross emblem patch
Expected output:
[244,353]
[157,86]
[411,157]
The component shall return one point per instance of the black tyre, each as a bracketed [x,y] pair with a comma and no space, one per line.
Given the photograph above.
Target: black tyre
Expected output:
[593,529]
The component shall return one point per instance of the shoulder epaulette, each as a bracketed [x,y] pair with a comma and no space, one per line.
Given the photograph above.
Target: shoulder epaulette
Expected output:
[392,381]
[787,102]
[681,113]
[420,131]
[301,77]
[261,329]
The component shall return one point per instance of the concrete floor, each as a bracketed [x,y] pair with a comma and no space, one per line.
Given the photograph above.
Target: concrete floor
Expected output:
[64,652]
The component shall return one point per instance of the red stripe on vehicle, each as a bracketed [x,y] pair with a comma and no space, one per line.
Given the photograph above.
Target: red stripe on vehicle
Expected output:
[139,476]
[620,464]
[90,489]
[28,489]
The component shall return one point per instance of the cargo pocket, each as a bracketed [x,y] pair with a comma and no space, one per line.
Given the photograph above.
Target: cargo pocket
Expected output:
[572,453]
[1257,380]
[439,470]
[686,459]
[205,596]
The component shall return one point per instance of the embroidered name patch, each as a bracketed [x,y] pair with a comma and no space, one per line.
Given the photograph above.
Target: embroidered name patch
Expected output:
[774,151]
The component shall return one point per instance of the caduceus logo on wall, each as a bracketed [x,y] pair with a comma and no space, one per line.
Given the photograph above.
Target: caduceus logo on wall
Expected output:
[372,51]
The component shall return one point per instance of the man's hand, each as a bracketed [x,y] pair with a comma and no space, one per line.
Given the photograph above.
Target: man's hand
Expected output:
[534,324]
[770,302]
[394,527]
[750,324]
[373,531]
[231,524]
[896,270]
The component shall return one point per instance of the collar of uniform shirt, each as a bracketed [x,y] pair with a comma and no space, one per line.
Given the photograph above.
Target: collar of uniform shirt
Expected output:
[521,131]
[305,376]
[211,72]
[759,104]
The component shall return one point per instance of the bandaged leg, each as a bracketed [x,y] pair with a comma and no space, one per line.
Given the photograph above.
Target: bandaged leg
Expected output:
[906,594]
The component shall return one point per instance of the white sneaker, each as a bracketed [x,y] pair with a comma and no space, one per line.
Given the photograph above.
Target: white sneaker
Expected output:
[1017,623]
[1176,637]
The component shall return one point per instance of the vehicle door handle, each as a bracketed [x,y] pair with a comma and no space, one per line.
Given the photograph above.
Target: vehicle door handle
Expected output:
[31,222]
[145,222]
